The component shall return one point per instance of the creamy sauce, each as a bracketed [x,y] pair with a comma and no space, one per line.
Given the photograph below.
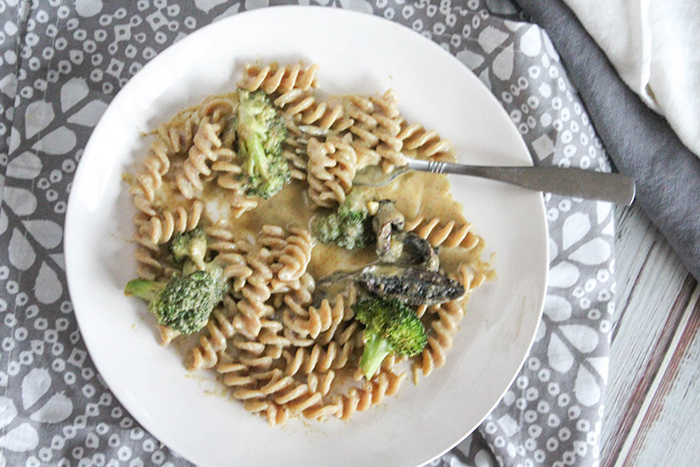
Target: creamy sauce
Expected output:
[292,207]
[416,194]
[422,194]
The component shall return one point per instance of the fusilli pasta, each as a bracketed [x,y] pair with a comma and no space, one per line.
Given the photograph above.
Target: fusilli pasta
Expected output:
[219,329]
[161,227]
[330,171]
[207,148]
[449,234]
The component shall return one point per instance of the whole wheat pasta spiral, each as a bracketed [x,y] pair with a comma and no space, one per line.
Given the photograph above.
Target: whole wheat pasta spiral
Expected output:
[426,143]
[298,163]
[219,329]
[149,266]
[373,392]
[222,239]
[318,320]
[295,102]
[341,313]
[167,334]
[272,387]
[320,382]
[273,79]
[377,125]
[290,87]
[234,374]
[175,137]
[244,380]
[255,293]
[248,321]
[207,148]
[327,116]
[444,328]
[161,228]
[150,179]
[294,150]
[295,255]
[448,234]
[291,255]
[294,306]
[446,324]
[319,358]
[221,110]
[231,253]
[171,139]
[298,398]
[152,261]
[377,120]
[275,414]
[330,171]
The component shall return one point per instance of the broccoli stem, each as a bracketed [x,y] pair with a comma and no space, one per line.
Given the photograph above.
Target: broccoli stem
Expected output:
[257,159]
[376,349]
[143,289]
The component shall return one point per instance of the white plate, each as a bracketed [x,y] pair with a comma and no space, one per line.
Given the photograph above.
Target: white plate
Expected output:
[357,53]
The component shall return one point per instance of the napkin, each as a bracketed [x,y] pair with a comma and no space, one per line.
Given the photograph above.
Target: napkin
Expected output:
[62,62]
[653,46]
[640,142]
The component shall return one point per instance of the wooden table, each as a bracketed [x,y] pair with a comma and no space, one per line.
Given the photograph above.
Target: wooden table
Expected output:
[653,400]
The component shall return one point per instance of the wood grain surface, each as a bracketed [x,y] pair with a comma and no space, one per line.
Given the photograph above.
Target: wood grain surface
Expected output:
[653,396]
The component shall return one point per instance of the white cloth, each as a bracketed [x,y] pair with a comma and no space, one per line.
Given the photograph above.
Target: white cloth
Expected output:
[655,47]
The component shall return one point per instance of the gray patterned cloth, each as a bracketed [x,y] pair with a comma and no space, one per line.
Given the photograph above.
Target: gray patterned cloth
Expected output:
[63,61]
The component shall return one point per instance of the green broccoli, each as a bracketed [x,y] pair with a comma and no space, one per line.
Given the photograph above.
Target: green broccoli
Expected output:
[192,245]
[390,328]
[183,303]
[350,227]
[261,132]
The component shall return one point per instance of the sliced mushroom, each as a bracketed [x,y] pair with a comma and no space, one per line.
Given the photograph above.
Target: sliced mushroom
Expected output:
[413,286]
[417,252]
[385,221]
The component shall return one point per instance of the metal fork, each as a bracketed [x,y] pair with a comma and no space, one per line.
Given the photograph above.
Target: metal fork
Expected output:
[576,183]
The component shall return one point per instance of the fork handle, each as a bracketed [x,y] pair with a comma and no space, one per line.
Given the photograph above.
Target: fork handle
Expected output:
[577,183]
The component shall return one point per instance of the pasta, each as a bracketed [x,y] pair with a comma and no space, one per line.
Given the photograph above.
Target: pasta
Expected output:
[330,171]
[161,228]
[219,328]
[207,147]
[170,140]
[372,393]
[252,306]
[282,342]
[272,79]
[426,143]
[377,126]
[149,266]
[438,234]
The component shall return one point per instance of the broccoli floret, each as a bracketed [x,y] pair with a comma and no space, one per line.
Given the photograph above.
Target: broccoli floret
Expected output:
[188,251]
[192,245]
[183,303]
[350,226]
[390,328]
[261,132]
[347,232]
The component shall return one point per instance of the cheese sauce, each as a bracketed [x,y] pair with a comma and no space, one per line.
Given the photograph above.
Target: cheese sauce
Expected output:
[416,194]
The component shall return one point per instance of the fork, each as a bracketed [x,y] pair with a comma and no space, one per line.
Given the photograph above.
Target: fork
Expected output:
[577,183]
